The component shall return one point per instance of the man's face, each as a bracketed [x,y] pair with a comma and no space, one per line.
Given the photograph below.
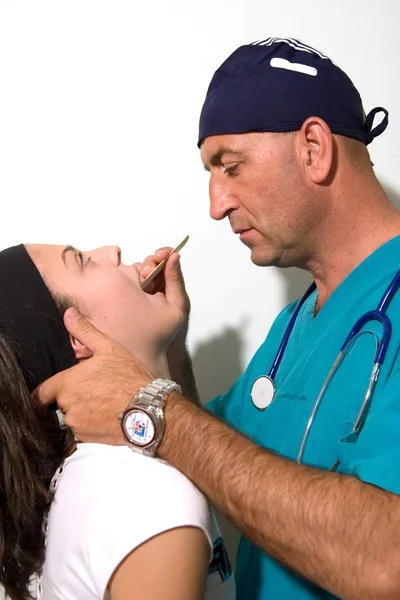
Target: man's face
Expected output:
[109,292]
[256,181]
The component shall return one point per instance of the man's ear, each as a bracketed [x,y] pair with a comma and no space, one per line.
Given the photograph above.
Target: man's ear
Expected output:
[315,146]
[80,350]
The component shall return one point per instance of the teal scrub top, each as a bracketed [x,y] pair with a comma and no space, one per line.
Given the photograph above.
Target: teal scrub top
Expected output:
[372,455]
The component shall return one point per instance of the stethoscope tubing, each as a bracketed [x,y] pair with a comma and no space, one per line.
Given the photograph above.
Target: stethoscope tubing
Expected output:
[379,315]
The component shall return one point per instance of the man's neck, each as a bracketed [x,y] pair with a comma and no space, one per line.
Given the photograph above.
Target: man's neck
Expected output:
[342,248]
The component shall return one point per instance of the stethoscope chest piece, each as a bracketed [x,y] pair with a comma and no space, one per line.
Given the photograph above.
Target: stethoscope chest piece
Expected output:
[262,392]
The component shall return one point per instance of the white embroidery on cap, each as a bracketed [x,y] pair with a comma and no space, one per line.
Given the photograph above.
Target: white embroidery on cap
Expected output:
[293,43]
[282,63]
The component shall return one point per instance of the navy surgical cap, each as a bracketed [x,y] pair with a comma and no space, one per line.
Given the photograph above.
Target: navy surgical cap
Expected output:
[275,85]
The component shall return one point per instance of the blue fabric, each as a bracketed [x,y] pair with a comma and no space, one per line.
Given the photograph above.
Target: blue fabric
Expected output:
[263,87]
[373,455]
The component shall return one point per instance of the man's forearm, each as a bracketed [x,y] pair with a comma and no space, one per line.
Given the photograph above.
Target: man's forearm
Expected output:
[333,529]
[181,371]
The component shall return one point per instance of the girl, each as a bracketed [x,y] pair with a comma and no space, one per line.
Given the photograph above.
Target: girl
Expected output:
[118,525]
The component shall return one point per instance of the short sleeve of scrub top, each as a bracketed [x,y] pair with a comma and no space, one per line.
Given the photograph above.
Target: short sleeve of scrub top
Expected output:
[373,455]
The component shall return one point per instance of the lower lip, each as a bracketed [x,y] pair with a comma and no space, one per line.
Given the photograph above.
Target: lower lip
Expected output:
[245,234]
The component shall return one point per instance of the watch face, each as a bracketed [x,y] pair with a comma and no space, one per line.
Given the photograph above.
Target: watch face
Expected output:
[139,427]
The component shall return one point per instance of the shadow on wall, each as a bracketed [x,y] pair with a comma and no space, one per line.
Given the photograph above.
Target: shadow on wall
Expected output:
[296,282]
[393,195]
[217,363]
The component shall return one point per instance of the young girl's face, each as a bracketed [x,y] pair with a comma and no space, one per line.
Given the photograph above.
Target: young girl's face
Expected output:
[109,293]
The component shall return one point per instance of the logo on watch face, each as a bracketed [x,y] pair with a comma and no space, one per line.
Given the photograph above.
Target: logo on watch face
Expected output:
[140,428]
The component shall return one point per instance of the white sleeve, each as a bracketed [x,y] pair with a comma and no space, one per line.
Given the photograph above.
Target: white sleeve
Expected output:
[140,500]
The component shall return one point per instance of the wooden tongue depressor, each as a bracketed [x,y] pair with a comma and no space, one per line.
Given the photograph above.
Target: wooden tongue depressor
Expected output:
[160,266]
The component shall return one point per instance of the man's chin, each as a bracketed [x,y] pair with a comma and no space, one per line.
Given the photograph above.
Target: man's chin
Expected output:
[263,259]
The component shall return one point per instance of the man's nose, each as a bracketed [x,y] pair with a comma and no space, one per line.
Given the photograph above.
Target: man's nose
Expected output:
[222,201]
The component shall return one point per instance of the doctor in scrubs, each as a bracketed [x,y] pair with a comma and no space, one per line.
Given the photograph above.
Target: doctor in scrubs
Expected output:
[312,484]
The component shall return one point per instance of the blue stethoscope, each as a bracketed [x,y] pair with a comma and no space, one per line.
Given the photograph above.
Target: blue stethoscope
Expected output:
[263,389]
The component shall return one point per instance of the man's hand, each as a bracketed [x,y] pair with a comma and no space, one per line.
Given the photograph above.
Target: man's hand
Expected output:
[171,283]
[93,394]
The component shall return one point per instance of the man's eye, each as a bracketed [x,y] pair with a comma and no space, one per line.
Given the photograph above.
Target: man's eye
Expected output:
[84,259]
[233,170]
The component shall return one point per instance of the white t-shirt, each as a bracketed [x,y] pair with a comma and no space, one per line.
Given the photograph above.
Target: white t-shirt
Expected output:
[108,501]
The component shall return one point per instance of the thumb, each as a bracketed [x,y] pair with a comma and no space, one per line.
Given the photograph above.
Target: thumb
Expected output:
[175,290]
[83,330]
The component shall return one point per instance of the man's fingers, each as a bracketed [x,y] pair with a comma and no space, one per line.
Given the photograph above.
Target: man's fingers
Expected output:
[150,262]
[164,251]
[47,392]
[83,330]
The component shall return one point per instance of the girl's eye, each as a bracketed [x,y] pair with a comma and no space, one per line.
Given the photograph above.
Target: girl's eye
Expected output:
[84,259]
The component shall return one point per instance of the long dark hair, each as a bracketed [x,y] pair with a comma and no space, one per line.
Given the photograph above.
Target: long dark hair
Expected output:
[32,445]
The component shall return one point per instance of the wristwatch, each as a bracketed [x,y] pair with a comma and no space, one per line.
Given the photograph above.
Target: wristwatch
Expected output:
[142,422]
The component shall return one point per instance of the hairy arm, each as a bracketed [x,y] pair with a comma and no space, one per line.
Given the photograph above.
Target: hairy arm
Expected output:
[170,566]
[333,529]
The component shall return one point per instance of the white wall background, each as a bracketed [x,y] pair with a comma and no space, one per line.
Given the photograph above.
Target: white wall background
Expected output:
[99,107]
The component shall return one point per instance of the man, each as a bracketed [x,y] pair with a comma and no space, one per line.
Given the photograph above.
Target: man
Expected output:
[311,481]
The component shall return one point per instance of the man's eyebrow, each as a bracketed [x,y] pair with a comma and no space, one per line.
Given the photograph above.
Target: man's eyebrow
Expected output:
[67,249]
[216,158]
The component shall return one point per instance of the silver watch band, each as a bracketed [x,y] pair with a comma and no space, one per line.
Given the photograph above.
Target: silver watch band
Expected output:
[154,392]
